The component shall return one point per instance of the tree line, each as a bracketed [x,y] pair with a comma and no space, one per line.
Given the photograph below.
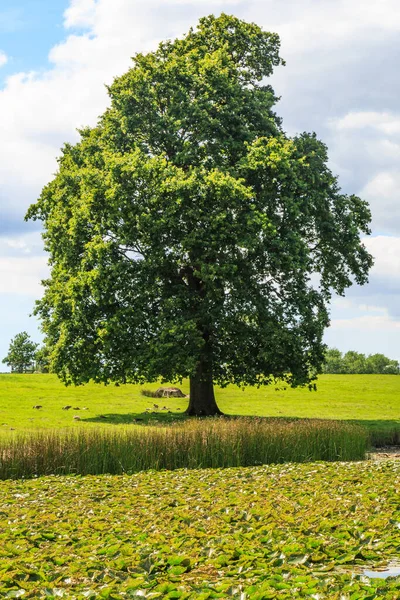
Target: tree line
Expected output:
[352,362]
[25,356]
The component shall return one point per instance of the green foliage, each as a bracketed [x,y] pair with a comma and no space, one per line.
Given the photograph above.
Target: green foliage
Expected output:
[356,362]
[42,359]
[185,228]
[218,442]
[284,532]
[21,353]
[379,363]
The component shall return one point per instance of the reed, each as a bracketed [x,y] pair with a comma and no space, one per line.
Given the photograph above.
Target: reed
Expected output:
[199,443]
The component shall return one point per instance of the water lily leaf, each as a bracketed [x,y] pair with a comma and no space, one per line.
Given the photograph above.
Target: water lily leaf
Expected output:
[298,560]
[177,570]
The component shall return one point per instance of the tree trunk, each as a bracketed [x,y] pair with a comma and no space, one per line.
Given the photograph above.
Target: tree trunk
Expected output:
[202,400]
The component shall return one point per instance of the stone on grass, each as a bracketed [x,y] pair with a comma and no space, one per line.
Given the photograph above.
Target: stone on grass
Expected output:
[169,392]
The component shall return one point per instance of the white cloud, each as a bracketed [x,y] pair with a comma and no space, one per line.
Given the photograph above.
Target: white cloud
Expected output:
[367,334]
[373,309]
[383,185]
[40,111]
[386,253]
[29,244]
[3,58]
[368,144]
[340,80]
[381,296]
[368,323]
[383,194]
[80,13]
[387,123]
[22,276]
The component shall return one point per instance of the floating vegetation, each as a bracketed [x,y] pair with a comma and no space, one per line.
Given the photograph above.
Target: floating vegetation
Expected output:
[280,531]
[218,442]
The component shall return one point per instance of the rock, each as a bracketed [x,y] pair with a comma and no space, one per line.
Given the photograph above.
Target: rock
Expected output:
[37,406]
[66,407]
[169,392]
[76,418]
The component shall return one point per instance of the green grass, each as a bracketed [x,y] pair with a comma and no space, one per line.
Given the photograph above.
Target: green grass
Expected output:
[370,400]
[211,443]
[283,531]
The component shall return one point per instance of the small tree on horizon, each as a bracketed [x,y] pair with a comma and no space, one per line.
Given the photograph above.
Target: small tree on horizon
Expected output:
[42,359]
[21,353]
[186,229]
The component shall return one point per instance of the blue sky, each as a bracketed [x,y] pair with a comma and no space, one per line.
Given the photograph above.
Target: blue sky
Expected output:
[341,80]
[28,28]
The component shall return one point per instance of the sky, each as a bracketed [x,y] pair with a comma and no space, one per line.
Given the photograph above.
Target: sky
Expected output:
[340,80]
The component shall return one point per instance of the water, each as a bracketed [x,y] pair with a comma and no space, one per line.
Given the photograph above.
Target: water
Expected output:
[391,571]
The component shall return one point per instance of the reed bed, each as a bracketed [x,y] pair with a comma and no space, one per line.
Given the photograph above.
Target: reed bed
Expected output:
[195,444]
[384,437]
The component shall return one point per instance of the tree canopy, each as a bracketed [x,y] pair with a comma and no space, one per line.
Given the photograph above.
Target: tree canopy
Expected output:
[188,235]
[42,359]
[21,353]
[351,362]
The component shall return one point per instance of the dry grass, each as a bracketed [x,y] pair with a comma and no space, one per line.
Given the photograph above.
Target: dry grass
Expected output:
[206,443]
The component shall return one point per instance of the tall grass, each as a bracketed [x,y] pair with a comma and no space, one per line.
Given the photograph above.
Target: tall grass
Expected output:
[192,444]
[384,437]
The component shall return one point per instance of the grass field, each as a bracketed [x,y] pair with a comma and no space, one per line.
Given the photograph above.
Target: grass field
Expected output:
[320,530]
[283,531]
[371,400]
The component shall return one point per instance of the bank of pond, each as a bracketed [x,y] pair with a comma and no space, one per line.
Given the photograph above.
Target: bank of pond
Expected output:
[195,443]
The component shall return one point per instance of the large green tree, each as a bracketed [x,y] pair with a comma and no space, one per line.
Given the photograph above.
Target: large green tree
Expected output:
[21,353]
[189,236]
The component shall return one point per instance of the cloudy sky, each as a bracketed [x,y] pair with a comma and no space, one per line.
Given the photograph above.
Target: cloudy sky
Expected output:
[341,80]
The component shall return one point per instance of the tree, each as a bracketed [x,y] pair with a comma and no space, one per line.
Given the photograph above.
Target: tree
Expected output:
[356,363]
[42,359]
[185,229]
[21,353]
[333,361]
[379,363]
[392,368]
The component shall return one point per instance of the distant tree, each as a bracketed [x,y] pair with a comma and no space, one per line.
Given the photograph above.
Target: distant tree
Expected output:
[42,359]
[185,229]
[392,368]
[354,362]
[357,363]
[333,362]
[21,353]
[376,363]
